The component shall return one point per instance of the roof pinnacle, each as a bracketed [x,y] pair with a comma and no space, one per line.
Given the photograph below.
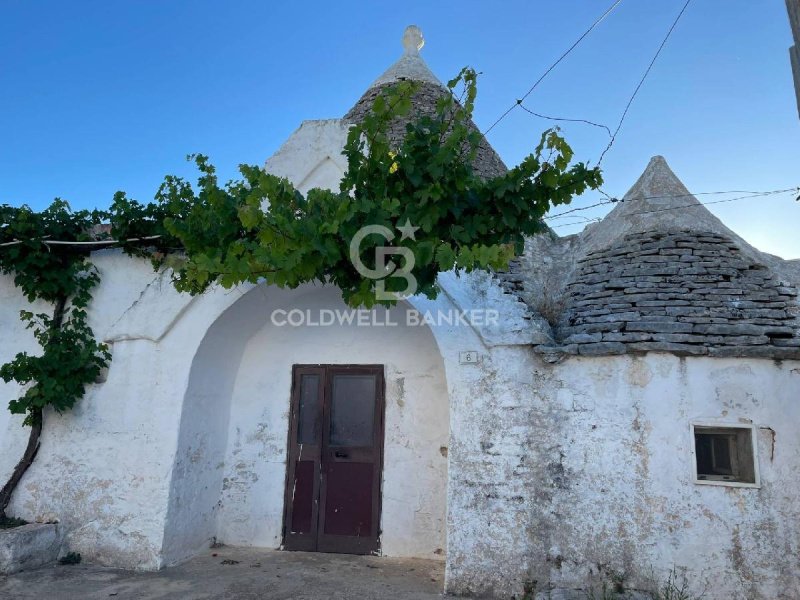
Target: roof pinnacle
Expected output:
[413,40]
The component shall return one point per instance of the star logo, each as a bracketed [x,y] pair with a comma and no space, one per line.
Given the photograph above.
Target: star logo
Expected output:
[407,231]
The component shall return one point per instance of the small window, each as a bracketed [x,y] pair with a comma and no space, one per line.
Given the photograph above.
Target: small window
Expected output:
[724,455]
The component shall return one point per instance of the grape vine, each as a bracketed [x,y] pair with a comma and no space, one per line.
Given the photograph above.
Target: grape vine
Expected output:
[260,229]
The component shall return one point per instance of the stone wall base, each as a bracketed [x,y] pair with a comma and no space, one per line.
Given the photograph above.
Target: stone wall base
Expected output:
[29,546]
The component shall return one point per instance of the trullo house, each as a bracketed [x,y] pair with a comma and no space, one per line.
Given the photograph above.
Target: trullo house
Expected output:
[634,407]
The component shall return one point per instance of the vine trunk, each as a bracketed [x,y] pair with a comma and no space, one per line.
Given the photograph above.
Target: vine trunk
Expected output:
[36,432]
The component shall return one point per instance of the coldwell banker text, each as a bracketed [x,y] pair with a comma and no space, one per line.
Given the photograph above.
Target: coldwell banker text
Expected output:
[383,318]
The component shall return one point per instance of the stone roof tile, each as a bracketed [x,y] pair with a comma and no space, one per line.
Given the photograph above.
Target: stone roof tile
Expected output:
[689,293]
[660,273]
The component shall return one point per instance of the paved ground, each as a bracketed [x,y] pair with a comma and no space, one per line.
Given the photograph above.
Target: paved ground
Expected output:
[239,574]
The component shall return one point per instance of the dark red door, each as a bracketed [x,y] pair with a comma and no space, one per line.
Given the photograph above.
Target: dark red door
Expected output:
[335,459]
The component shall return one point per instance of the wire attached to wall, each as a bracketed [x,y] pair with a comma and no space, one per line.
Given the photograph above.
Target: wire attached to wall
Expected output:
[97,244]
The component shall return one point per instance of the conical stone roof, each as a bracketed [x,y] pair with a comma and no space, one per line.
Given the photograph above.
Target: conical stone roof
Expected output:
[657,201]
[411,67]
[661,273]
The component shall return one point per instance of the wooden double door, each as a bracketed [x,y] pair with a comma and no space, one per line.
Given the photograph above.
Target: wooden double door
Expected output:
[335,459]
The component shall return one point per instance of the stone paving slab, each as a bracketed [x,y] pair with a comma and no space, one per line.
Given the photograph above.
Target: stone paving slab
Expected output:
[238,574]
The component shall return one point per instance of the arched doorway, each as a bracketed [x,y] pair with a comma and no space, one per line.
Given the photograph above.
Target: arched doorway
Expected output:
[229,478]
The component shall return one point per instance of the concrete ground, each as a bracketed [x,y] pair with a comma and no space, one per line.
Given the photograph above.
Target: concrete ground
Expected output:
[238,574]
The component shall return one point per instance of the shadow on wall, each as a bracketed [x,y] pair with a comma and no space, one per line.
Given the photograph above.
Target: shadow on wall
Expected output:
[229,471]
[197,473]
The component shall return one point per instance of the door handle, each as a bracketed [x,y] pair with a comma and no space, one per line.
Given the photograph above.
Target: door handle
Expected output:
[340,454]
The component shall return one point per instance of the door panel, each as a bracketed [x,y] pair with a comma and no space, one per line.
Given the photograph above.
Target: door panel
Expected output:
[348,511]
[304,460]
[347,440]
[352,418]
[308,409]
[303,497]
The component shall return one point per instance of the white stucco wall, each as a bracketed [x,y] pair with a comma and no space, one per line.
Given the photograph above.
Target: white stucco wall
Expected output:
[553,471]
[417,423]
[573,472]
[239,383]
[558,474]
[629,434]
[196,484]
[312,156]
[102,467]
[135,471]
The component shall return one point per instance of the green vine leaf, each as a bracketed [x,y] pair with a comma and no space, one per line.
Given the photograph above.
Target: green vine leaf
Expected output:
[260,228]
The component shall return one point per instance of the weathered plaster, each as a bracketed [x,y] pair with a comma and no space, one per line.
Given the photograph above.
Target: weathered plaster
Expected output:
[414,485]
[197,473]
[14,337]
[590,469]
[552,469]
[558,474]
[104,467]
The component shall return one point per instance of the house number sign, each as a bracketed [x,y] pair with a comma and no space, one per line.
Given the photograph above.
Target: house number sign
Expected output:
[468,358]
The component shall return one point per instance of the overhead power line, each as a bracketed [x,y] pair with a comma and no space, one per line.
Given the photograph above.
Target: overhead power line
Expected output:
[586,222]
[554,65]
[759,195]
[642,80]
[581,208]
[535,114]
[571,212]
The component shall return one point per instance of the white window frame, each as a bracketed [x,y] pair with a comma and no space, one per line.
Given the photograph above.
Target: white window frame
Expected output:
[713,424]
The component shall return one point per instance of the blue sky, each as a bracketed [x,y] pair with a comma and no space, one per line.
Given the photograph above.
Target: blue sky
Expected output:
[100,96]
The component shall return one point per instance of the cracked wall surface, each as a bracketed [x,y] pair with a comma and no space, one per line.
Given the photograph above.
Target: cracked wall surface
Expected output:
[557,475]
[576,472]
[417,423]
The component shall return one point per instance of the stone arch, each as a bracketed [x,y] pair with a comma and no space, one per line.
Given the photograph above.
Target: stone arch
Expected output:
[229,468]
[196,474]
[321,175]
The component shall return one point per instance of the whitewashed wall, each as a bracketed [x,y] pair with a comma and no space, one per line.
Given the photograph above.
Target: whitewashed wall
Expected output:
[14,338]
[102,466]
[578,471]
[185,441]
[417,423]
[553,472]
[196,484]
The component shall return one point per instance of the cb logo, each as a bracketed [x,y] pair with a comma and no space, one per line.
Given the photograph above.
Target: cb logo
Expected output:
[384,268]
